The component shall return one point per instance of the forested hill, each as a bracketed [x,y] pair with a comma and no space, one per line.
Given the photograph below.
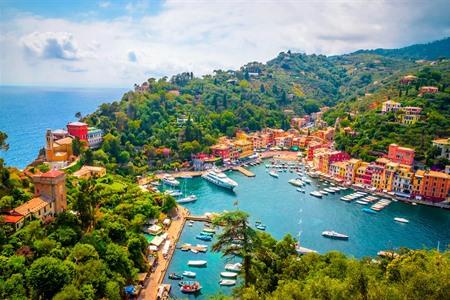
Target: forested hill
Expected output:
[257,95]
[430,51]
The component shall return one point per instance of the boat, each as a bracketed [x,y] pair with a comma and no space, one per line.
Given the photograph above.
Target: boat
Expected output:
[175,276]
[188,199]
[169,180]
[369,211]
[228,274]
[197,263]
[361,202]
[316,194]
[233,267]
[173,193]
[202,237]
[186,176]
[190,223]
[334,235]
[194,250]
[220,179]
[329,190]
[227,282]
[273,174]
[401,220]
[296,182]
[207,233]
[300,190]
[261,227]
[323,192]
[189,274]
[190,287]
[211,230]
[303,250]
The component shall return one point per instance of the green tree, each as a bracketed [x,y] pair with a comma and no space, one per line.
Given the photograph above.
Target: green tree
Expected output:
[77,146]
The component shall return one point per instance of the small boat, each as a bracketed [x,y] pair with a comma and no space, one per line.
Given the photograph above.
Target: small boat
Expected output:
[323,192]
[228,274]
[175,276]
[300,190]
[361,202]
[206,238]
[169,180]
[273,174]
[197,263]
[191,223]
[188,199]
[190,287]
[173,193]
[316,194]
[369,211]
[206,233]
[328,190]
[296,182]
[227,282]
[303,250]
[304,179]
[211,230]
[401,220]
[261,227]
[334,235]
[233,267]
[186,176]
[189,274]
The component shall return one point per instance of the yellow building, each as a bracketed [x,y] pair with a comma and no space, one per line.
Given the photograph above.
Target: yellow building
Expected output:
[409,119]
[87,172]
[350,170]
[244,147]
[361,172]
[389,172]
[57,150]
[338,169]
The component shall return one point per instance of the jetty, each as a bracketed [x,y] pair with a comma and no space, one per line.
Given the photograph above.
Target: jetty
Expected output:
[244,171]
[198,219]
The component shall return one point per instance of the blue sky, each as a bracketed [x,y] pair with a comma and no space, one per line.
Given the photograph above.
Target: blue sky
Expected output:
[118,43]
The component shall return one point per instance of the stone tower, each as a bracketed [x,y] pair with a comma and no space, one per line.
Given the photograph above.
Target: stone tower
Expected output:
[51,186]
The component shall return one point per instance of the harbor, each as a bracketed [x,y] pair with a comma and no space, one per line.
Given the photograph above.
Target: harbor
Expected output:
[282,209]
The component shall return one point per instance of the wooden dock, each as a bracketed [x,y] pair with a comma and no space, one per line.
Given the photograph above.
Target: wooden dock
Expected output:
[244,171]
[199,219]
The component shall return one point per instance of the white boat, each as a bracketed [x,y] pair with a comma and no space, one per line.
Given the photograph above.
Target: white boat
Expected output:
[361,202]
[323,192]
[328,190]
[186,176]
[228,274]
[296,182]
[189,274]
[190,223]
[220,179]
[197,263]
[300,190]
[303,250]
[401,220]
[211,230]
[173,193]
[233,267]
[305,179]
[227,282]
[169,180]
[316,194]
[334,235]
[273,174]
[191,198]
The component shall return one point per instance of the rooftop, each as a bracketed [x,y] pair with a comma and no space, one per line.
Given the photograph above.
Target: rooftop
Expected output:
[77,124]
[31,206]
[52,174]
[12,218]
[442,141]
[64,141]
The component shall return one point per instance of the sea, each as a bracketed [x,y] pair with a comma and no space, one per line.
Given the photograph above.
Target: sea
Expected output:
[278,204]
[26,113]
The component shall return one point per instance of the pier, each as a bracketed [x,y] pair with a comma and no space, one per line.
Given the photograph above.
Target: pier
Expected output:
[244,171]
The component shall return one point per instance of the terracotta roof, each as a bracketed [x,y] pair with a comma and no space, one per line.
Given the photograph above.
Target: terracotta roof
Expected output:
[52,174]
[442,141]
[64,141]
[31,206]
[11,218]
[437,174]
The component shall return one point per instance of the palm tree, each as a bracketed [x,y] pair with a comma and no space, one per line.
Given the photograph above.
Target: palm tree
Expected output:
[236,239]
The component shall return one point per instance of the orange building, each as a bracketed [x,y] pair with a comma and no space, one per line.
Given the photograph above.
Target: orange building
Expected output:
[401,155]
[431,185]
[57,149]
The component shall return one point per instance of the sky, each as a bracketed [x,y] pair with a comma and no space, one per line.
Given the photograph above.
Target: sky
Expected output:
[109,43]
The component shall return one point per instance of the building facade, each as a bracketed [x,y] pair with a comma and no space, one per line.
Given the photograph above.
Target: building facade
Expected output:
[78,130]
[401,155]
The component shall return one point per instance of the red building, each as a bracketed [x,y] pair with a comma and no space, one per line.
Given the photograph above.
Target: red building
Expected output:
[79,130]
[401,155]
[338,156]
[221,150]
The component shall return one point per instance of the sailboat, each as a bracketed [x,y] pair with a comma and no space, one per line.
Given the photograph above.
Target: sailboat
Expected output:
[187,199]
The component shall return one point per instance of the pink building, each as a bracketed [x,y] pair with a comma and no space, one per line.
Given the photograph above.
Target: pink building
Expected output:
[401,155]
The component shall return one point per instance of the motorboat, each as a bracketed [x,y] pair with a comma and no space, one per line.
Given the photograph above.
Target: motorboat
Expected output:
[169,180]
[207,233]
[296,182]
[189,274]
[316,194]
[369,211]
[401,220]
[188,199]
[305,179]
[197,263]
[303,250]
[273,174]
[261,227]
[323,192]
[190,223]
[228,274]
[334,235]
[203,237]
[175,276]
[211,230]
[186,176]
[190,287]
[361,202]
[173,193]
[233,267]
[227,282]
[329,190]
[220,179]
[300,190]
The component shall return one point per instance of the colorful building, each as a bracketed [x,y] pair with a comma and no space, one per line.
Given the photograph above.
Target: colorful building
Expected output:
[350,169]
[78,130]
[401,155]
[431,185]
[338,169]
[377,175]
[403,180]
[390,106]
[363,175]
[444,146]
[221,150]
[94,137]
[57,150]
[244,147]
[428,90]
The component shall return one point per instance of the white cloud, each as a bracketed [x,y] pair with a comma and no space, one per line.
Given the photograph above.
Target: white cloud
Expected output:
[203,36]
[104,4]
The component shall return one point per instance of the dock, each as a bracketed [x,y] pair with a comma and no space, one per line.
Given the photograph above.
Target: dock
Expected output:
[198,219]
[244,171]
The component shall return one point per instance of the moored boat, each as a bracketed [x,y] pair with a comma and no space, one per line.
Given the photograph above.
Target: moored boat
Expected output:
[190,287]
[227,282]
[205,238]
[197,263]
[369,211]
[188,199]
[228,274]
[273,174]
[401,220]
[296,182]
[220,179]
[233,267]
[334,235]
[169,180]
[316,194]
[189,274]
[175,276]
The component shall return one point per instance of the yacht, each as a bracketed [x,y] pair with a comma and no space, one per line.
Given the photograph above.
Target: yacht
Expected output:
[335,235]
[296,182]
[197,263]
[227,282]
[228,274]
[220,179]
[316,194]
[169,180]
[188,199]
[189,274]
[173,193]
[401,220]
[273,174]
[233,267]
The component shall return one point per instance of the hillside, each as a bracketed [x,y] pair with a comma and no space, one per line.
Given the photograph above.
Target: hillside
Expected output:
[429,51]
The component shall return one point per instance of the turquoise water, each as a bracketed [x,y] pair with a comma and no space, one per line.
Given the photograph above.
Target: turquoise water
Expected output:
[284,210]
[26,112]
